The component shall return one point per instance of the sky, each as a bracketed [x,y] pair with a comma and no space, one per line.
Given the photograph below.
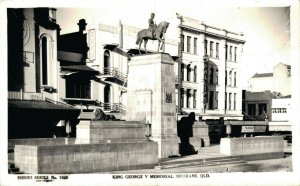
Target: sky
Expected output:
[266,29]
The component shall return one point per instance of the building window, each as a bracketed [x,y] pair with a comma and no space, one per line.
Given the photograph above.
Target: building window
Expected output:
[217,76]
[195,74]
[182,42]
[195,99]
[211,78]
[235,49]
[230,53]
[251,109]
[181,97]
[234,77]
[188,97]
[262,107]
[182,72]
[188,48]
[107,96]
[226,100]
[188,75]
[229,101]
[211,53]
[217,50]
[211,100]
[289,72]
[78,87]
[195,45]
[226,77]
[205,47]
[234,101]
[216,100]
[106,64]
[230,78]
[44,61]
[226,51]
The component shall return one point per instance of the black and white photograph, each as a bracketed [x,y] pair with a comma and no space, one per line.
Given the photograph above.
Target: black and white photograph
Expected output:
[149,92]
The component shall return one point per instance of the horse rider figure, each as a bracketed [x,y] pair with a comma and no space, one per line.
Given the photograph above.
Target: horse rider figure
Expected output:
[152,25]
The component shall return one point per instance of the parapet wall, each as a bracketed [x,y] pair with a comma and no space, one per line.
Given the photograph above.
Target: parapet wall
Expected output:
[253,148]
[200,135]
[59,159]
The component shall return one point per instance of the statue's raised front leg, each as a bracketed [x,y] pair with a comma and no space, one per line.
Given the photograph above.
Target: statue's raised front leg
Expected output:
[162,44]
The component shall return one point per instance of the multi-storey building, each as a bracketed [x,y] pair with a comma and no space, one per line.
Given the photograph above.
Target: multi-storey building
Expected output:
[35,108]
[209,70]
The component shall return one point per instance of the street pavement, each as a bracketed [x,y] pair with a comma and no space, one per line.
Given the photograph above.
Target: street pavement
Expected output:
[270,165]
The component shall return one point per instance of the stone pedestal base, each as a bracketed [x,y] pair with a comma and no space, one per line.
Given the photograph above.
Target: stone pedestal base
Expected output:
[168,146]
[200,135]
[151,98]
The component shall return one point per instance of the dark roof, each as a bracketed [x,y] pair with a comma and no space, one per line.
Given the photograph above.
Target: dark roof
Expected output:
[288,96]
[262,75]
[79,68]
[38,104]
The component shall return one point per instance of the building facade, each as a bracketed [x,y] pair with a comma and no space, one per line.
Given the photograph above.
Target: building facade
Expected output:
[210,70]
[258,105]
[281,114]
[35,108]
[278,81]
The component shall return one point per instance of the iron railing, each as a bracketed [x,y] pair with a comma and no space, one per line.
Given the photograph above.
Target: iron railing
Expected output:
[114,107]
[114,72]
[20,95]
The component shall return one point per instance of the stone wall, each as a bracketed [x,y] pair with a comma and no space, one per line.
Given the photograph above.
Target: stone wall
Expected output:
[86,158]
[253,148]
[40,141]
[97,131]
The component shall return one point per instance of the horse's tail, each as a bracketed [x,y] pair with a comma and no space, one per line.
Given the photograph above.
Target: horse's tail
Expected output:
[138,39]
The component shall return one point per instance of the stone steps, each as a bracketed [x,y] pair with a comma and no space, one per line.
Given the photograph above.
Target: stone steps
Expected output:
[201,162]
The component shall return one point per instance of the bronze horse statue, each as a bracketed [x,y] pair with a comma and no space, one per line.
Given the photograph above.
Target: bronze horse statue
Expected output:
[146,34]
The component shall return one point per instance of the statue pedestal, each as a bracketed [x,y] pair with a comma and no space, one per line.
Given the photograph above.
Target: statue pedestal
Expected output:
[151,98]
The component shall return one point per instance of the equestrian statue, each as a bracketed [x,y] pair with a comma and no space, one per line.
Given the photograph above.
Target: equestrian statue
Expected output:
[154,32]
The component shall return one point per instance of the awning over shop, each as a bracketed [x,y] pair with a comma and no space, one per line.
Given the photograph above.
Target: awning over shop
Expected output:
[69,56]
[110,46]
[41,107]
[78,68]
[81,101]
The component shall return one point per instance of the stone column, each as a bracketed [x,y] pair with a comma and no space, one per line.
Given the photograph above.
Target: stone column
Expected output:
[151,97]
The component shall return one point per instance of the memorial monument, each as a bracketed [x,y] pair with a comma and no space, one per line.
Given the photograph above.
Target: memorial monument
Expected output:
[151,98]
